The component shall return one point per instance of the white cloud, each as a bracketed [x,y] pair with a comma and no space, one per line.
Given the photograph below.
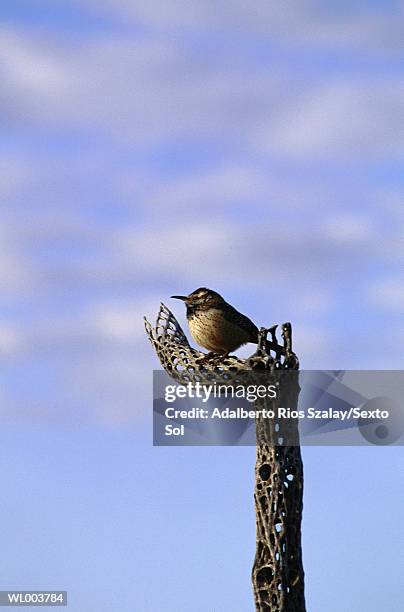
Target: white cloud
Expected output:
[315,301]
[10,340]
[103,82]
[150,90]
[350,228]
[122,321]
[295,240]
[309,22]
[18,274]
[119,324]
[98,357]
[31,66]
[350,117]
[388,293]
[102,326]
[214,190]
[180,250]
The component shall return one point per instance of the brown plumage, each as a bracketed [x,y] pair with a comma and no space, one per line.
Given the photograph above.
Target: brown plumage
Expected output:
[215,324]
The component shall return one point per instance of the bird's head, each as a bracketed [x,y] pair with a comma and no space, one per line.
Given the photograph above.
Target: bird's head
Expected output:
[201,297]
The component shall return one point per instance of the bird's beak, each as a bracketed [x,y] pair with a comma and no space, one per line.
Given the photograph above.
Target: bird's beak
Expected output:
[180,297]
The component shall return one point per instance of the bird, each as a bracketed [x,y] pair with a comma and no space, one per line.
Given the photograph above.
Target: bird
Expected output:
[215,324]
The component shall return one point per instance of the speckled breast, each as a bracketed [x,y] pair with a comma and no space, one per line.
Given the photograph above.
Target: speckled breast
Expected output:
[215,333]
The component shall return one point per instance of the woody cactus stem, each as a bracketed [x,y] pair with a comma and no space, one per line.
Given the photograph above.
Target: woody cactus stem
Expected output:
[278,576]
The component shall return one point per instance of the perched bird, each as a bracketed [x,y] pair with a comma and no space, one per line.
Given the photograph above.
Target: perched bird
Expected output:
[215,324]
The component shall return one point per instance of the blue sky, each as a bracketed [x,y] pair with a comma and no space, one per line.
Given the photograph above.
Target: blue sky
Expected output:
[149,148]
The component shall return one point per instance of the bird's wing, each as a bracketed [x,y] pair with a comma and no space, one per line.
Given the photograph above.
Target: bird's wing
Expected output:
[234,316]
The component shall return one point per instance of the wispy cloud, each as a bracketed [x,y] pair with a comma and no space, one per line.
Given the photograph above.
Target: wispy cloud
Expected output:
[348,117]
[388,293]
[152,90]
[197,146]
[312,22]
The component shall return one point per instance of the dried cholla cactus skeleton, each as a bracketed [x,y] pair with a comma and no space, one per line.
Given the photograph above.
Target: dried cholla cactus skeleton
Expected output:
[277,575]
